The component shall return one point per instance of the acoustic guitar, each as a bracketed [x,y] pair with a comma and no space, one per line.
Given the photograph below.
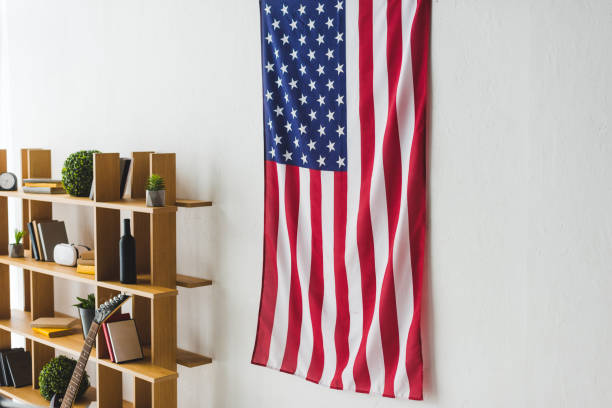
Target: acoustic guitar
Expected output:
[102,314]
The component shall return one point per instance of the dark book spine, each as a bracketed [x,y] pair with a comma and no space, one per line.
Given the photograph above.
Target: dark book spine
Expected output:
[33,242]
[5,372]
[3,382]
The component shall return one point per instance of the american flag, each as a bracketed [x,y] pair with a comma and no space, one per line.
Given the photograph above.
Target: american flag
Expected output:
[344,85]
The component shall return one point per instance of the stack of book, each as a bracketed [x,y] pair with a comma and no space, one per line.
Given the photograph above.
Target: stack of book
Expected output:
[15,368]
[53,326]
[43,186]
[87,263]
[44,236]
[121,338]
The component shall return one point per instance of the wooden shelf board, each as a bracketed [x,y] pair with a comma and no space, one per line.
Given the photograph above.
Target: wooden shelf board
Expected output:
[19,323]
[29,395]
[67,272]
[186,203]
[137,205]
[191,281]
[191,359]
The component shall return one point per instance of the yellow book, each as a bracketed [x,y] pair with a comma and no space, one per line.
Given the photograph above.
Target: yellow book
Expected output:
[50,332]
[86,269]
[52,185]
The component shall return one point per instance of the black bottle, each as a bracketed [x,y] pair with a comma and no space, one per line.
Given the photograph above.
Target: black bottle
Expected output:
[127,255]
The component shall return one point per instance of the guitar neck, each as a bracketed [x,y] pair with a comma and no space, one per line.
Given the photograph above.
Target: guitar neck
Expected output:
[79,370]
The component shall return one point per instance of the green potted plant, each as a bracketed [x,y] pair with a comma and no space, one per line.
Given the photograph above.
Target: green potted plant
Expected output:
[77,173]
[16,249]
[156,191]
[55,377]
[87,311]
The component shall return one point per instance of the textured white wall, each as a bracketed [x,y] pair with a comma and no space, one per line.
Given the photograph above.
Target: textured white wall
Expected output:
[520,182]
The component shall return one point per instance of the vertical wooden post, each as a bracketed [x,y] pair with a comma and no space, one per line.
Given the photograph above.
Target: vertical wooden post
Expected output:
[163,250]
[110,387]
[141,222]
[164,164]
[163,348]
[41,355]
[107,221]
[36,163]
[5,304]
[38,287]
[142,393]
[163,273]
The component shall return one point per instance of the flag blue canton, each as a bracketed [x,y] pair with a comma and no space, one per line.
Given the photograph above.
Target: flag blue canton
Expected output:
[304,83]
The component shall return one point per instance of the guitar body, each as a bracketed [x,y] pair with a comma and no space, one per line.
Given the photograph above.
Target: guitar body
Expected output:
[56,402]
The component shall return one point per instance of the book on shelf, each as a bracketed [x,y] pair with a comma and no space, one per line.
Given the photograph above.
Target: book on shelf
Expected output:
[86,262]
[5,377]
[33,245]
[88,255]
[44,190]
[38,181]
[19,366]
[43,182]
[86,269]
[37,239]
[54,322]
[52,332]
[51,233]
[124,341]
[117,317]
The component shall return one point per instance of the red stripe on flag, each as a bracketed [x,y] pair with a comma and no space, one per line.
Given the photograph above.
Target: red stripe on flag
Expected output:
[392,165]
[343,316]
[315,290]
[269,285]
[417,207]
[292,208]
[365,239]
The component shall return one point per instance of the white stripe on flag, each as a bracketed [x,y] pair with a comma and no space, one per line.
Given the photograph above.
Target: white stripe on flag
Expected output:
[304,248]
[328,317]
[283,260]
[401,253]
[378,196]
[353,269]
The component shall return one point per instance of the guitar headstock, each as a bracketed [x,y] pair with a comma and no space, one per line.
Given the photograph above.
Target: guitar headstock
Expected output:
[109,307]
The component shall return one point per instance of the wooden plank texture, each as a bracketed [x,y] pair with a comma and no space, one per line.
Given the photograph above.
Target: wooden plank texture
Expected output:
[190,359]
[163,250]
[143,288]
[41,355]
[191,281]
[107,233]
[110,387]
[107,180]
[186,203]
[164,164]
[141,166]
[19,323]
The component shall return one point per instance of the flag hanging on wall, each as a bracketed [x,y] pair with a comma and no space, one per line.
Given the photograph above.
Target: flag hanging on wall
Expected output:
[344,97]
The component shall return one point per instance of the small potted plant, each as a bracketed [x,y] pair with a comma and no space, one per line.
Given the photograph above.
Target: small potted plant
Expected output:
[87,311]
[16,249]
[55,377]
[156,191]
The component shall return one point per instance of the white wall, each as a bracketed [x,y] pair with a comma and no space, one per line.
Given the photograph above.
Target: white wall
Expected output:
[520,182]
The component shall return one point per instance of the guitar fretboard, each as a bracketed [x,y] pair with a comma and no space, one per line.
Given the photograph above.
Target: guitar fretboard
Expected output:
[77,375]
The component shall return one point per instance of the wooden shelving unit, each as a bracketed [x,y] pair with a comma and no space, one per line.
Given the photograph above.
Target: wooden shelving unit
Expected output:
[153,297]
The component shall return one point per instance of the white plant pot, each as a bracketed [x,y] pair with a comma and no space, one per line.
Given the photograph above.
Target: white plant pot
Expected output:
[156,198]
[16,250]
